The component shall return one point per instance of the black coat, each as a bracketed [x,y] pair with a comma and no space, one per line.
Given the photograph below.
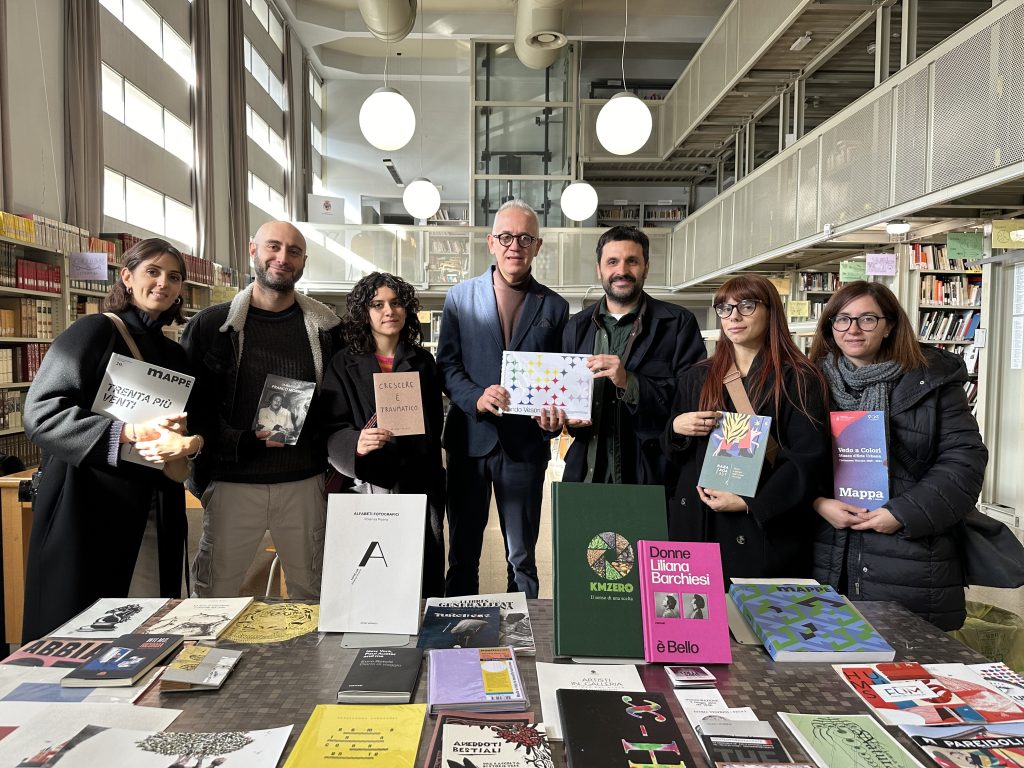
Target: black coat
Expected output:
[775,538]
[407,464]
[89,516]
[936,467]
[667,343]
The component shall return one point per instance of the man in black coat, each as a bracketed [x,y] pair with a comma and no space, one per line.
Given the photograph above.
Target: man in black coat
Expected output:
[639,346]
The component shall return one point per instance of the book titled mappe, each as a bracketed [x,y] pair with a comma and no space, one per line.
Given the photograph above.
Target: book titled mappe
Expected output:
[860,462]
[808,622]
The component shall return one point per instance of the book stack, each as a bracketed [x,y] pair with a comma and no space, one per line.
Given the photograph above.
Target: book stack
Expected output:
[26,317]
[199,668]
[475,680]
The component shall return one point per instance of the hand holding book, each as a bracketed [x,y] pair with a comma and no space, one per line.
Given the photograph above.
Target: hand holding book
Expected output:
[696,423]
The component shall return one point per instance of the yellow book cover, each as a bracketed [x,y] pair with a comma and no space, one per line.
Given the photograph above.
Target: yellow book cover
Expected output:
[385,736]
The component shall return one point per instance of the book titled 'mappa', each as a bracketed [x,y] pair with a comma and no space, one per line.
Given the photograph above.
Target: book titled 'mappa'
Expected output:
[860,462]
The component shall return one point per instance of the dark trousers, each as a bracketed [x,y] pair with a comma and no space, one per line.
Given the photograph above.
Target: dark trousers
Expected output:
[518,490]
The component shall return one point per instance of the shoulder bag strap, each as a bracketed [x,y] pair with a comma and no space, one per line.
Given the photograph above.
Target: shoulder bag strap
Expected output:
[119,324]
[733,381]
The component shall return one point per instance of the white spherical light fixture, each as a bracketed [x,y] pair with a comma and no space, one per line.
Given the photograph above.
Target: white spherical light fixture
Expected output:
[421,198]
[579,201]
[624,124]
[387,119]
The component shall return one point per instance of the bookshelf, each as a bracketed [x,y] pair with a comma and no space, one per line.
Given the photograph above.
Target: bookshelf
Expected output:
[448,257]
[665,213]
[451,214]
[816,287]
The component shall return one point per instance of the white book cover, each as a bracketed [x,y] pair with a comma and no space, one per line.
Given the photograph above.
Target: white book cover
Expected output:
[373,563]
[536,380]
[201,618]
[111,617]
[514,628]
[36,727]
[592,677]
[134,391]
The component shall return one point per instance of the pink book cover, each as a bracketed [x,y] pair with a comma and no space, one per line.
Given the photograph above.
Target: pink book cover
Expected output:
[682,595]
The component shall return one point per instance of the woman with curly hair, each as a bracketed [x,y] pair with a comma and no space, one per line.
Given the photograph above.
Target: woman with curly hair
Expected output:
[769,533]
[382,335]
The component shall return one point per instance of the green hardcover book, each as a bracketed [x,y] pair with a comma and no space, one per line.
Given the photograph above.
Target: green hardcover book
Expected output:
[597,587]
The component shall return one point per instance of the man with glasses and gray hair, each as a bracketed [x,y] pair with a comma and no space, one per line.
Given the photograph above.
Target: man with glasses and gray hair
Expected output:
[504,308]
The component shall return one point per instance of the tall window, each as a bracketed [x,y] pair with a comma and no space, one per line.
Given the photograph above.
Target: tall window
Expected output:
[125,199]
[316,98]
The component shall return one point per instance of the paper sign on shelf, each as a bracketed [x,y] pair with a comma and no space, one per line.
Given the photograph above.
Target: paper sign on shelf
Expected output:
[851,271]
[782,285]
[799,308]
[965,245]
[87,266]
[1008,233]
[880,264]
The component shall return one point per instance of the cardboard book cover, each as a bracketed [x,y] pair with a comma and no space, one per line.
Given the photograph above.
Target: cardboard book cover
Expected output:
[735,454]
[199,668]
[55,652]
[505,721]
[847,741]
[124,661]
[483,746]
[385,675]
[381,735]
[536,380]
[610,729]
[514,627]
[284,404]
[595,530]
[398,402]
[683,603]
[459,627]
[477,679]
[860,460]
[807,622]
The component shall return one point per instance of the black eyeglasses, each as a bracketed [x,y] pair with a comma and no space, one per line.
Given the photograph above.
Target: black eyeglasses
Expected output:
[864,322]
[747,307]
[524,240]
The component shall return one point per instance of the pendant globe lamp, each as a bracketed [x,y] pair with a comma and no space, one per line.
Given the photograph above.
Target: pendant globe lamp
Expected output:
[387,119]
[579,201]
[624,124]
[421,198]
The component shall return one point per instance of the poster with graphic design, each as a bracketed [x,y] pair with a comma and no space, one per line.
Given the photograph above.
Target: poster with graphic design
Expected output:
[536,380]
[860,461]
[735,454]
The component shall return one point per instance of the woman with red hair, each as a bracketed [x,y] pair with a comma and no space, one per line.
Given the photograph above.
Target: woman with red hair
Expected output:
[769,533]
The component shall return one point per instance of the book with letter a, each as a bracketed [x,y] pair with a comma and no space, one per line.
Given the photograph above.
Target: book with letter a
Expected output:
[860,461]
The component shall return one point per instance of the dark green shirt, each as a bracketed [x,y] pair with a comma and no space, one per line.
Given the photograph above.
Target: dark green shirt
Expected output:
[612,460]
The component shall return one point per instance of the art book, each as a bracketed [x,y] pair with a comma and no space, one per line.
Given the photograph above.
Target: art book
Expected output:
[99,747]
[807,622]
[382,676]
[273,622]
[928,694]
[123,662]
[951,746]
[373,563]
[55,652]
[399,403]
[111,617]
[860,459]
[537,380]
[199,668]
[508,722]
[382,735]
[847,741]
[284,404]
[735,454]
[201,618]
[683,603]
[514,627]
[475,679]
[482,746]
[459,627]
[595,530]
[1002,679]
[740,741]
[134,391]
[584,677]
[611,729]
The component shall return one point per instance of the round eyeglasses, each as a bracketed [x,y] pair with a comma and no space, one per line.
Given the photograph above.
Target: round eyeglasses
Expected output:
[747,307]
[864,322]
[524,240]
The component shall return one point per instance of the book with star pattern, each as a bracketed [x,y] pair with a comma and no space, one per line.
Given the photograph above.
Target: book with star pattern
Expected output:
[536,380]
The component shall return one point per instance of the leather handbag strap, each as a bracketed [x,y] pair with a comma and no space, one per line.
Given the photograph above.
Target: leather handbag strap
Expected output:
[119,324]
[733,381]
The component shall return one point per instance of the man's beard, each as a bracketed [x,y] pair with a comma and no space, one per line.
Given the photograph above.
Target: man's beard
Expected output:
[614,293]
[282,285]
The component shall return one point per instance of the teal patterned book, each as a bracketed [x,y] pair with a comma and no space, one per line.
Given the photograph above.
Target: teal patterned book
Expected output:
[801,622]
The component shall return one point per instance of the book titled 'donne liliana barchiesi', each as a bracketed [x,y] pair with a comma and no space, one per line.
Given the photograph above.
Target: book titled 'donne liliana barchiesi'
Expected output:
[475,679]
[860,462]
[398,403]
[134,391]
[201,618]
[514,627]
[373,563]
[808,622]
[683,602]
[482,746]
[284,404]
[537,380]
[847,741]
[735,454]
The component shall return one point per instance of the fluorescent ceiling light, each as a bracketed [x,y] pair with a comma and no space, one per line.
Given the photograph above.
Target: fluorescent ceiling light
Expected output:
[897,227]
[801,42]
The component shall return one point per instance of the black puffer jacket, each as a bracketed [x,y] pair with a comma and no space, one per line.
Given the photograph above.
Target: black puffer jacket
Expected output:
[936,467]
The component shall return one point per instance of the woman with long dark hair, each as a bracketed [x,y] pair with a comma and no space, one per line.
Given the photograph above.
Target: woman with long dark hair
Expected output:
[905,550]
[382,335]
[769,533]
[102,526]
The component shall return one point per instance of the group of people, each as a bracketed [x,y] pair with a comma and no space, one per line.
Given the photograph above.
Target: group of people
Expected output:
[105,527]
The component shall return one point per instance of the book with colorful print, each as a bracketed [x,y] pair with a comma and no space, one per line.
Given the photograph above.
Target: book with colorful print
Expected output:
[990,745]
[735,453]
[482,746]
[583,677]
[860,460]
[537,380]
[505,721]
[55,652]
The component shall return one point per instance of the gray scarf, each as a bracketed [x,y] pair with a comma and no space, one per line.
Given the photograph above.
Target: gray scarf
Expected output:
[860,389]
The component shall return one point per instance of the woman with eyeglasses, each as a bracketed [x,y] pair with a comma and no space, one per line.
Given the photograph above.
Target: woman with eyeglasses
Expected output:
[906,550]
[770,533]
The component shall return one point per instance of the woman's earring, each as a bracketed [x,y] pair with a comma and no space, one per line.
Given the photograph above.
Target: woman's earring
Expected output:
[177,300]
[129,289]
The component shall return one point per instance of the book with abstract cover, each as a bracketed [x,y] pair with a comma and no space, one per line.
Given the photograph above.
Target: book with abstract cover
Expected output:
[483,746]
[860,460]
[381,735]
[514,626]
[506,721]
[952,746]
[928,694]
[584,677]
[847,741]
[808,622]
[683,603]
[536,380]
[735,454]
